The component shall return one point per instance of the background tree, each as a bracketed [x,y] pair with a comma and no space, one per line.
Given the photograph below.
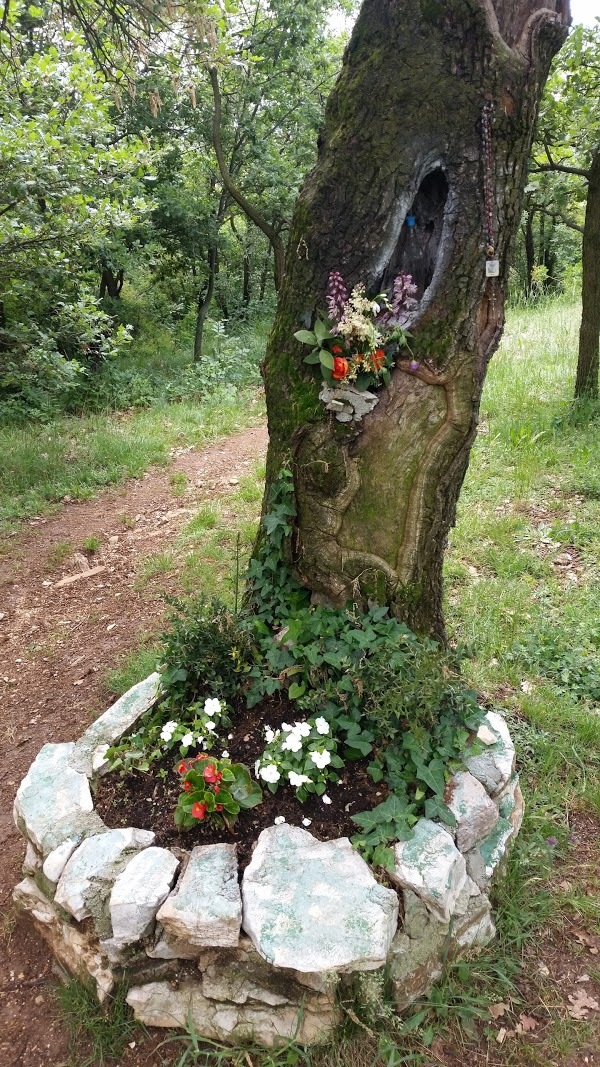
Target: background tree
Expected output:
[567,157]
[403,131]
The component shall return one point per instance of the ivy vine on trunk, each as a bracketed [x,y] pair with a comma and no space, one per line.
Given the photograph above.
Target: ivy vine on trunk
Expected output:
[403,135]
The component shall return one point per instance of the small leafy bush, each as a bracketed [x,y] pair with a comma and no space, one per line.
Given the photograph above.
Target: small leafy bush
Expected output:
[206,651]
[572,666]
[214,789]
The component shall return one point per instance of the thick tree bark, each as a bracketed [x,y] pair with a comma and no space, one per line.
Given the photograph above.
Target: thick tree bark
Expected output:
[586,383]
[403,127]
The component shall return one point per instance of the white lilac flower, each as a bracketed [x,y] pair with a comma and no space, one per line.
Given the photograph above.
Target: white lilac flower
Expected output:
[269,735]
[307,822]
[302,728]
[292,743]
[210,725]
[212,706]
[297,779]
[270,773]
[187,740]
[321,759]
[224,754]
[322,725]
[279,819]
[168,730]
[326,799]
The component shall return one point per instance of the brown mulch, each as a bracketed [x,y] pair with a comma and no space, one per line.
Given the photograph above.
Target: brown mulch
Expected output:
[56,645]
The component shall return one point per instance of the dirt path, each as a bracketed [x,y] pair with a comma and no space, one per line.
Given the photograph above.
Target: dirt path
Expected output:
[56,644]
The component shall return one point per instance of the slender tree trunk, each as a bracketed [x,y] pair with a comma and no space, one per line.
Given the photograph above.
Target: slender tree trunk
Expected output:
[586,384]
[111,284]
[264,273]
[529,248]
[205,300]
[246,280]
[376,498]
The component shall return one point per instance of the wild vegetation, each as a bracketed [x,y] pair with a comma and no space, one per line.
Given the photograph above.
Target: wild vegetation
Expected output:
[149,167]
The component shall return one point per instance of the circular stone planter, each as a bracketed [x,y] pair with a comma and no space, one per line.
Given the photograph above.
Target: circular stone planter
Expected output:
[263,960]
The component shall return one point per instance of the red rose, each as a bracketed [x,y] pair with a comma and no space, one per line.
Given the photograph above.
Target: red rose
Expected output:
[188,787]
[198,810]
[337,351]
[378,358]
[340,368]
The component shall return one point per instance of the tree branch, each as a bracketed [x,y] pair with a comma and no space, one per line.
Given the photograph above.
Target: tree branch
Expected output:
[247,207]
[555,214]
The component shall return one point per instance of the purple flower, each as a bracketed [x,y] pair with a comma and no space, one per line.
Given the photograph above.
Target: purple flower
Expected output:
[336,296]
[552,841]
[402,299]
[414,364]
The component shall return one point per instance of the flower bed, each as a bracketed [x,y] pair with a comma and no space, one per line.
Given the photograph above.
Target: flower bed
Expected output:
[262,960]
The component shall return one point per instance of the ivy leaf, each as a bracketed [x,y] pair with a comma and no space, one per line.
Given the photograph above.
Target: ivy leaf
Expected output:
[296,691]
[436,809]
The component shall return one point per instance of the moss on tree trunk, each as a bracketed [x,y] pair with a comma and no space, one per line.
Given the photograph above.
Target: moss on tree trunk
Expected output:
[375,500]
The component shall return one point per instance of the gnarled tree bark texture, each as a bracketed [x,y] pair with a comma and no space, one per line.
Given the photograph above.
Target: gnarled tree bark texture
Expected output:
[403,130]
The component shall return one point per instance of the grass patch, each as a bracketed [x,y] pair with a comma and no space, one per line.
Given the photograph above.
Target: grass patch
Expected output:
[133,668]
[102,1033]
[75,457]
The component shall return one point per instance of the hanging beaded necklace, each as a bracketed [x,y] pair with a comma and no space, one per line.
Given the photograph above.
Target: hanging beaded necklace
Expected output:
[492,266]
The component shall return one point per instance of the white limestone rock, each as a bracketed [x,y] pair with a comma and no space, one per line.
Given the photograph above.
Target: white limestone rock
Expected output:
[170,948]
[56,861]
[88,752]
[76,952]
[495,765]
[205,908]
[32,862]
[348,403]
[311,1021]
[485,858]
[90,870]
[54,802]
[431,865]
[139,892]
[314,905]
[476,815]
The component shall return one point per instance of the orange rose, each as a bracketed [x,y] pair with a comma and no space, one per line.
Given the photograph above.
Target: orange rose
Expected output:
[337,351]
[340,368]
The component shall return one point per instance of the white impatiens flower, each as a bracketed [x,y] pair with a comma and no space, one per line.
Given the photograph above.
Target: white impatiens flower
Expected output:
[224,754]
[187,740]
[270,773]
[168,730]
[257,768]
[212,706]
[269,735]
[285,726]
[302,728]
[322,725]
[297,779]
[321,759]
[292,743]
[326,799]
[210,725]
[279,819]
[307,822]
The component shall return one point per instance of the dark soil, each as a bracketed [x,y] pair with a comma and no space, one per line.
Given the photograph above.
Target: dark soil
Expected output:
[148,800]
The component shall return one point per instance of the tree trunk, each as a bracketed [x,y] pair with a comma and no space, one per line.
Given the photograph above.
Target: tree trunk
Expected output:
[586,384]
[111,284]
[205,300]
[403,130]
[529,248]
